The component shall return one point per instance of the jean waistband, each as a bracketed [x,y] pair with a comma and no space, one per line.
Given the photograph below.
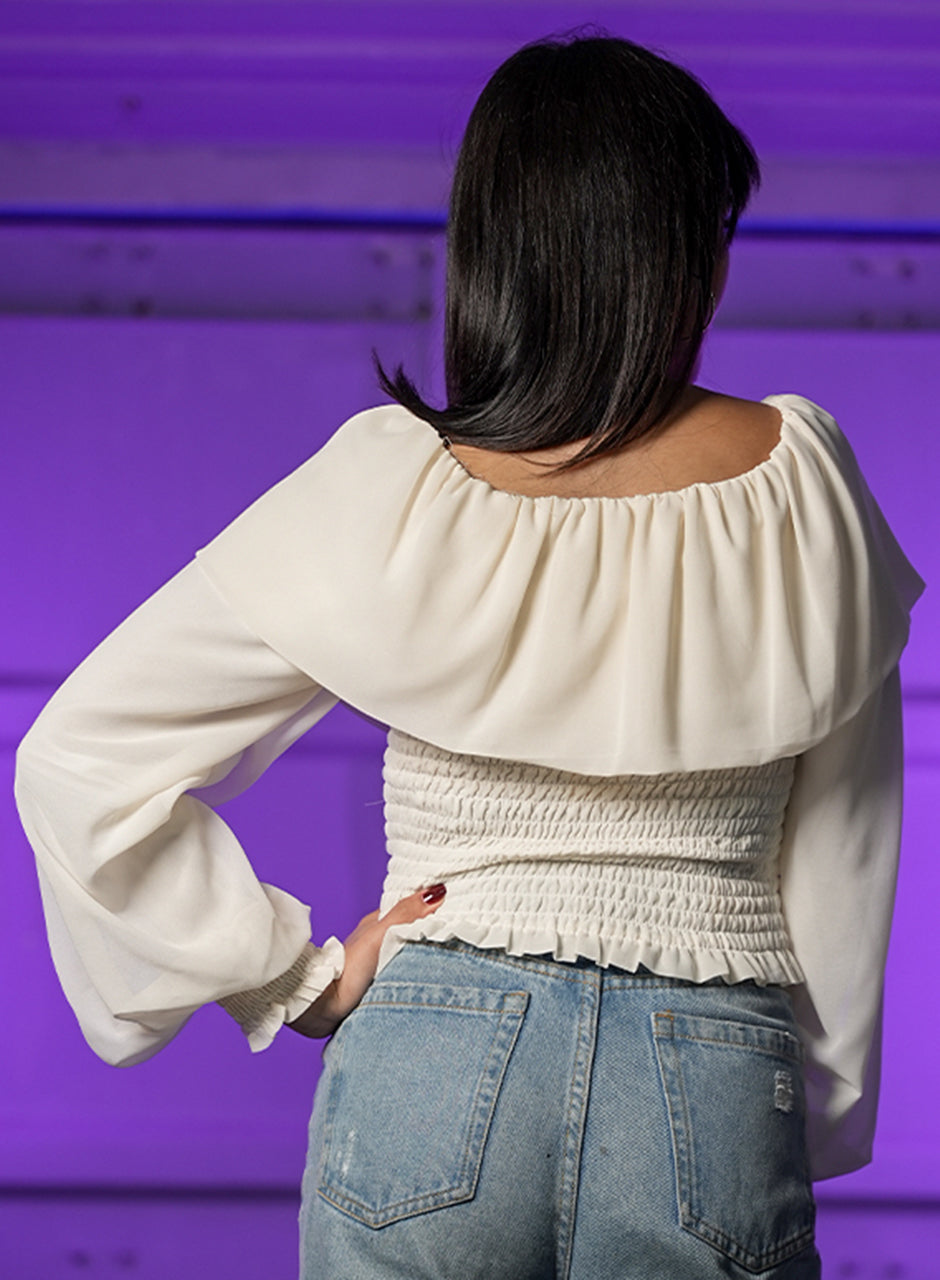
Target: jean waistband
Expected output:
[547,964]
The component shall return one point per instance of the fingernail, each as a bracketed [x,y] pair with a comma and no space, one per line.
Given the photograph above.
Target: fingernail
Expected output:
[434,894]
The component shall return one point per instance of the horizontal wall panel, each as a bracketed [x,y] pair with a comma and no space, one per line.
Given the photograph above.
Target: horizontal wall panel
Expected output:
[832,78]
[224,268]
[52,178]
[245,1237]
[223,272]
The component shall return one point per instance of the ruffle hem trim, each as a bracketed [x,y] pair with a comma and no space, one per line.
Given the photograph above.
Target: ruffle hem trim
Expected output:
[767,968]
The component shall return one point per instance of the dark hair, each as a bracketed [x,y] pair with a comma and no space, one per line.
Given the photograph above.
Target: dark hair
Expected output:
[596,188]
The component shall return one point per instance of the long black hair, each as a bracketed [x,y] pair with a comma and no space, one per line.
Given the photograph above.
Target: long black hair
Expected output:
[596,189]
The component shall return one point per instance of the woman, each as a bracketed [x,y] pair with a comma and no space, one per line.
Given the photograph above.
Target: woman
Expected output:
[637,647]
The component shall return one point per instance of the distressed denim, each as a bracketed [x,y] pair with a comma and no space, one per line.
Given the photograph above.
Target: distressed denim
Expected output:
[516,1118]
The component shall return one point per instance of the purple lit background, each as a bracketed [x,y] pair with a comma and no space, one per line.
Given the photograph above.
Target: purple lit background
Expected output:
[210,213]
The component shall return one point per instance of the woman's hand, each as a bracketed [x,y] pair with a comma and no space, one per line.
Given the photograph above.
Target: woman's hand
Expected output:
[362,956]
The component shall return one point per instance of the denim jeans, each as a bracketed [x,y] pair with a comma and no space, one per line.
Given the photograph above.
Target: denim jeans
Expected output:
[516,1118]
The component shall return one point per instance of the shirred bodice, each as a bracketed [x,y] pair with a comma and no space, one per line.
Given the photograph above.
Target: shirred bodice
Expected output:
[670,870]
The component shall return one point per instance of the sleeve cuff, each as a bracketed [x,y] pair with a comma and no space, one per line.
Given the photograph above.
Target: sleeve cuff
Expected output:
[262,1011]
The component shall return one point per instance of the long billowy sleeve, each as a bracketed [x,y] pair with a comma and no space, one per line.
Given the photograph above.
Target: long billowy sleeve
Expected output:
[151,905]
[839,867]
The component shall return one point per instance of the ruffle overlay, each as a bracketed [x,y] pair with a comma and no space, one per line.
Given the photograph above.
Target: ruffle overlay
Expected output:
[716,625]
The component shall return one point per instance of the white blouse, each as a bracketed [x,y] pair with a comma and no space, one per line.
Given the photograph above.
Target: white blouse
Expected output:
[714,627]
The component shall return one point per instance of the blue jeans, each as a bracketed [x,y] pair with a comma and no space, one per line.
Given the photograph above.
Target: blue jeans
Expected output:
[515,1118]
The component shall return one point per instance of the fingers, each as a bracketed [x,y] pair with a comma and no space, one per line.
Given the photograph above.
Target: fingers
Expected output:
[416,906]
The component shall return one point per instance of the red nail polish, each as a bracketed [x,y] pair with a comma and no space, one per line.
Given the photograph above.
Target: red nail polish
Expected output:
[434,894]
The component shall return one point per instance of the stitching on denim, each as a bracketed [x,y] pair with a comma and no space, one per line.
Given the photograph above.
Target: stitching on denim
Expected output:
[547,968]
[781,1252]
[688,1153]
[660,1050]
[785,1050]
[428,1004]
[512,1035]
[508,1021]
[556,968]
[586,1044]
[561,1248]
[692,1219]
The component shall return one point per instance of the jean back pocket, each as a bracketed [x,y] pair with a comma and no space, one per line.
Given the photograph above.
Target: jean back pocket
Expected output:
[737,1114]
[412,1082]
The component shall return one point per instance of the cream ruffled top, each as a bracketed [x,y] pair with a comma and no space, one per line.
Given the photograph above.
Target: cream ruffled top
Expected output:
[745,633]
[717,625]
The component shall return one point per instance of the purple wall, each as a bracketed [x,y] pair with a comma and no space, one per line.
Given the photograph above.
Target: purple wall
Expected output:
[179,327]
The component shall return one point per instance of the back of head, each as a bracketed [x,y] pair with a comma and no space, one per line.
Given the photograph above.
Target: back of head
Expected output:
[595,193]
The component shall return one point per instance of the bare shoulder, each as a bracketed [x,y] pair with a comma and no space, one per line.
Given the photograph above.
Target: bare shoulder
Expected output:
[751,425]
[713,437]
